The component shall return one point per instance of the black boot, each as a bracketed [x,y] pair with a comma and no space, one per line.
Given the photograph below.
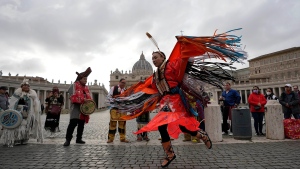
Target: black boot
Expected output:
[80,142]
[67,143]
[80,128]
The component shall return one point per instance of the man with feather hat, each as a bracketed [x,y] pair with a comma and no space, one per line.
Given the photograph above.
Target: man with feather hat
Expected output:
[79,93]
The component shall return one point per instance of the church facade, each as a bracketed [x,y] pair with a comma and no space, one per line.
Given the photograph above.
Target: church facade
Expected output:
[140,71]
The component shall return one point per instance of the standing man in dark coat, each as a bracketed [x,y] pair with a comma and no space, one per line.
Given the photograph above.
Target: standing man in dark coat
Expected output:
[290,103]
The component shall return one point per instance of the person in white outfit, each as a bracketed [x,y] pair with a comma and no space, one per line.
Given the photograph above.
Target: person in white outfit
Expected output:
[25,101]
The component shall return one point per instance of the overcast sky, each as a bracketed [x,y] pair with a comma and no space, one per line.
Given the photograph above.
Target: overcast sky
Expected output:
[55,38]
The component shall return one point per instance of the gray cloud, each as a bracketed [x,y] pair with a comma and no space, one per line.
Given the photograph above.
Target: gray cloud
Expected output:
[111,34]
[31,66]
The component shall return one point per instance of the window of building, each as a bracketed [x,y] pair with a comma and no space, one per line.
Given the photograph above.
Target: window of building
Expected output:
[117,77]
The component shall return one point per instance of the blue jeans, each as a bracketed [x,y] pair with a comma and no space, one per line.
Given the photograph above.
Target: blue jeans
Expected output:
[258,119]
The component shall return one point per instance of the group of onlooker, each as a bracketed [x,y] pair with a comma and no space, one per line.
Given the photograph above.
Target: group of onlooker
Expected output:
[289,99]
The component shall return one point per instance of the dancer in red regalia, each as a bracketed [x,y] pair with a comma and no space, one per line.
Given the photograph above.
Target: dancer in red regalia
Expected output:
[180,74]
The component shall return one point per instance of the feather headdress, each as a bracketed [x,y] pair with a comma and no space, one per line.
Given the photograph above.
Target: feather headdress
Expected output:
[25,81]
[155,43]
[153,40]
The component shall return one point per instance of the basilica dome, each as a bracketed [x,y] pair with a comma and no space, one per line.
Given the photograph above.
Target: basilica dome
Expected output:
[142,65]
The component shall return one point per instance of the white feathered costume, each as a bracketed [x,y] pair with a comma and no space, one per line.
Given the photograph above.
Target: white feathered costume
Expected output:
[30,127]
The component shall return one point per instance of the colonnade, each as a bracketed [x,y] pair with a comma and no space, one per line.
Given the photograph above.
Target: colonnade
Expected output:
[246,89]
[98,92]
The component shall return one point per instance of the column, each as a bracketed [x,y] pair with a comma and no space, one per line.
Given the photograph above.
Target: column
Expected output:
[215,96]
[65,99]
[213,118]
[45,98]
[239,91]
[45,94]
[274,91]
[246,98]
[274,124]
[8,91]
[99,100]
[280,91]
[38,93]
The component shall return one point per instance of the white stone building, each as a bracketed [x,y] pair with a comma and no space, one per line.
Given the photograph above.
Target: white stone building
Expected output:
[272,70]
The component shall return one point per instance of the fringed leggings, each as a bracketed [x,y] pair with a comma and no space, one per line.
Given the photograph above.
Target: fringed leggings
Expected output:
[165,135]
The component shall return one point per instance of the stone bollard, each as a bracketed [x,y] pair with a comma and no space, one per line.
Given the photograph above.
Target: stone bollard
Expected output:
[274,120]
[213,119]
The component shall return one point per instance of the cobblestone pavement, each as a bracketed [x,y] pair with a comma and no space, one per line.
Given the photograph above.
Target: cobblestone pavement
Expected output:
[97,128]
[256,153]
